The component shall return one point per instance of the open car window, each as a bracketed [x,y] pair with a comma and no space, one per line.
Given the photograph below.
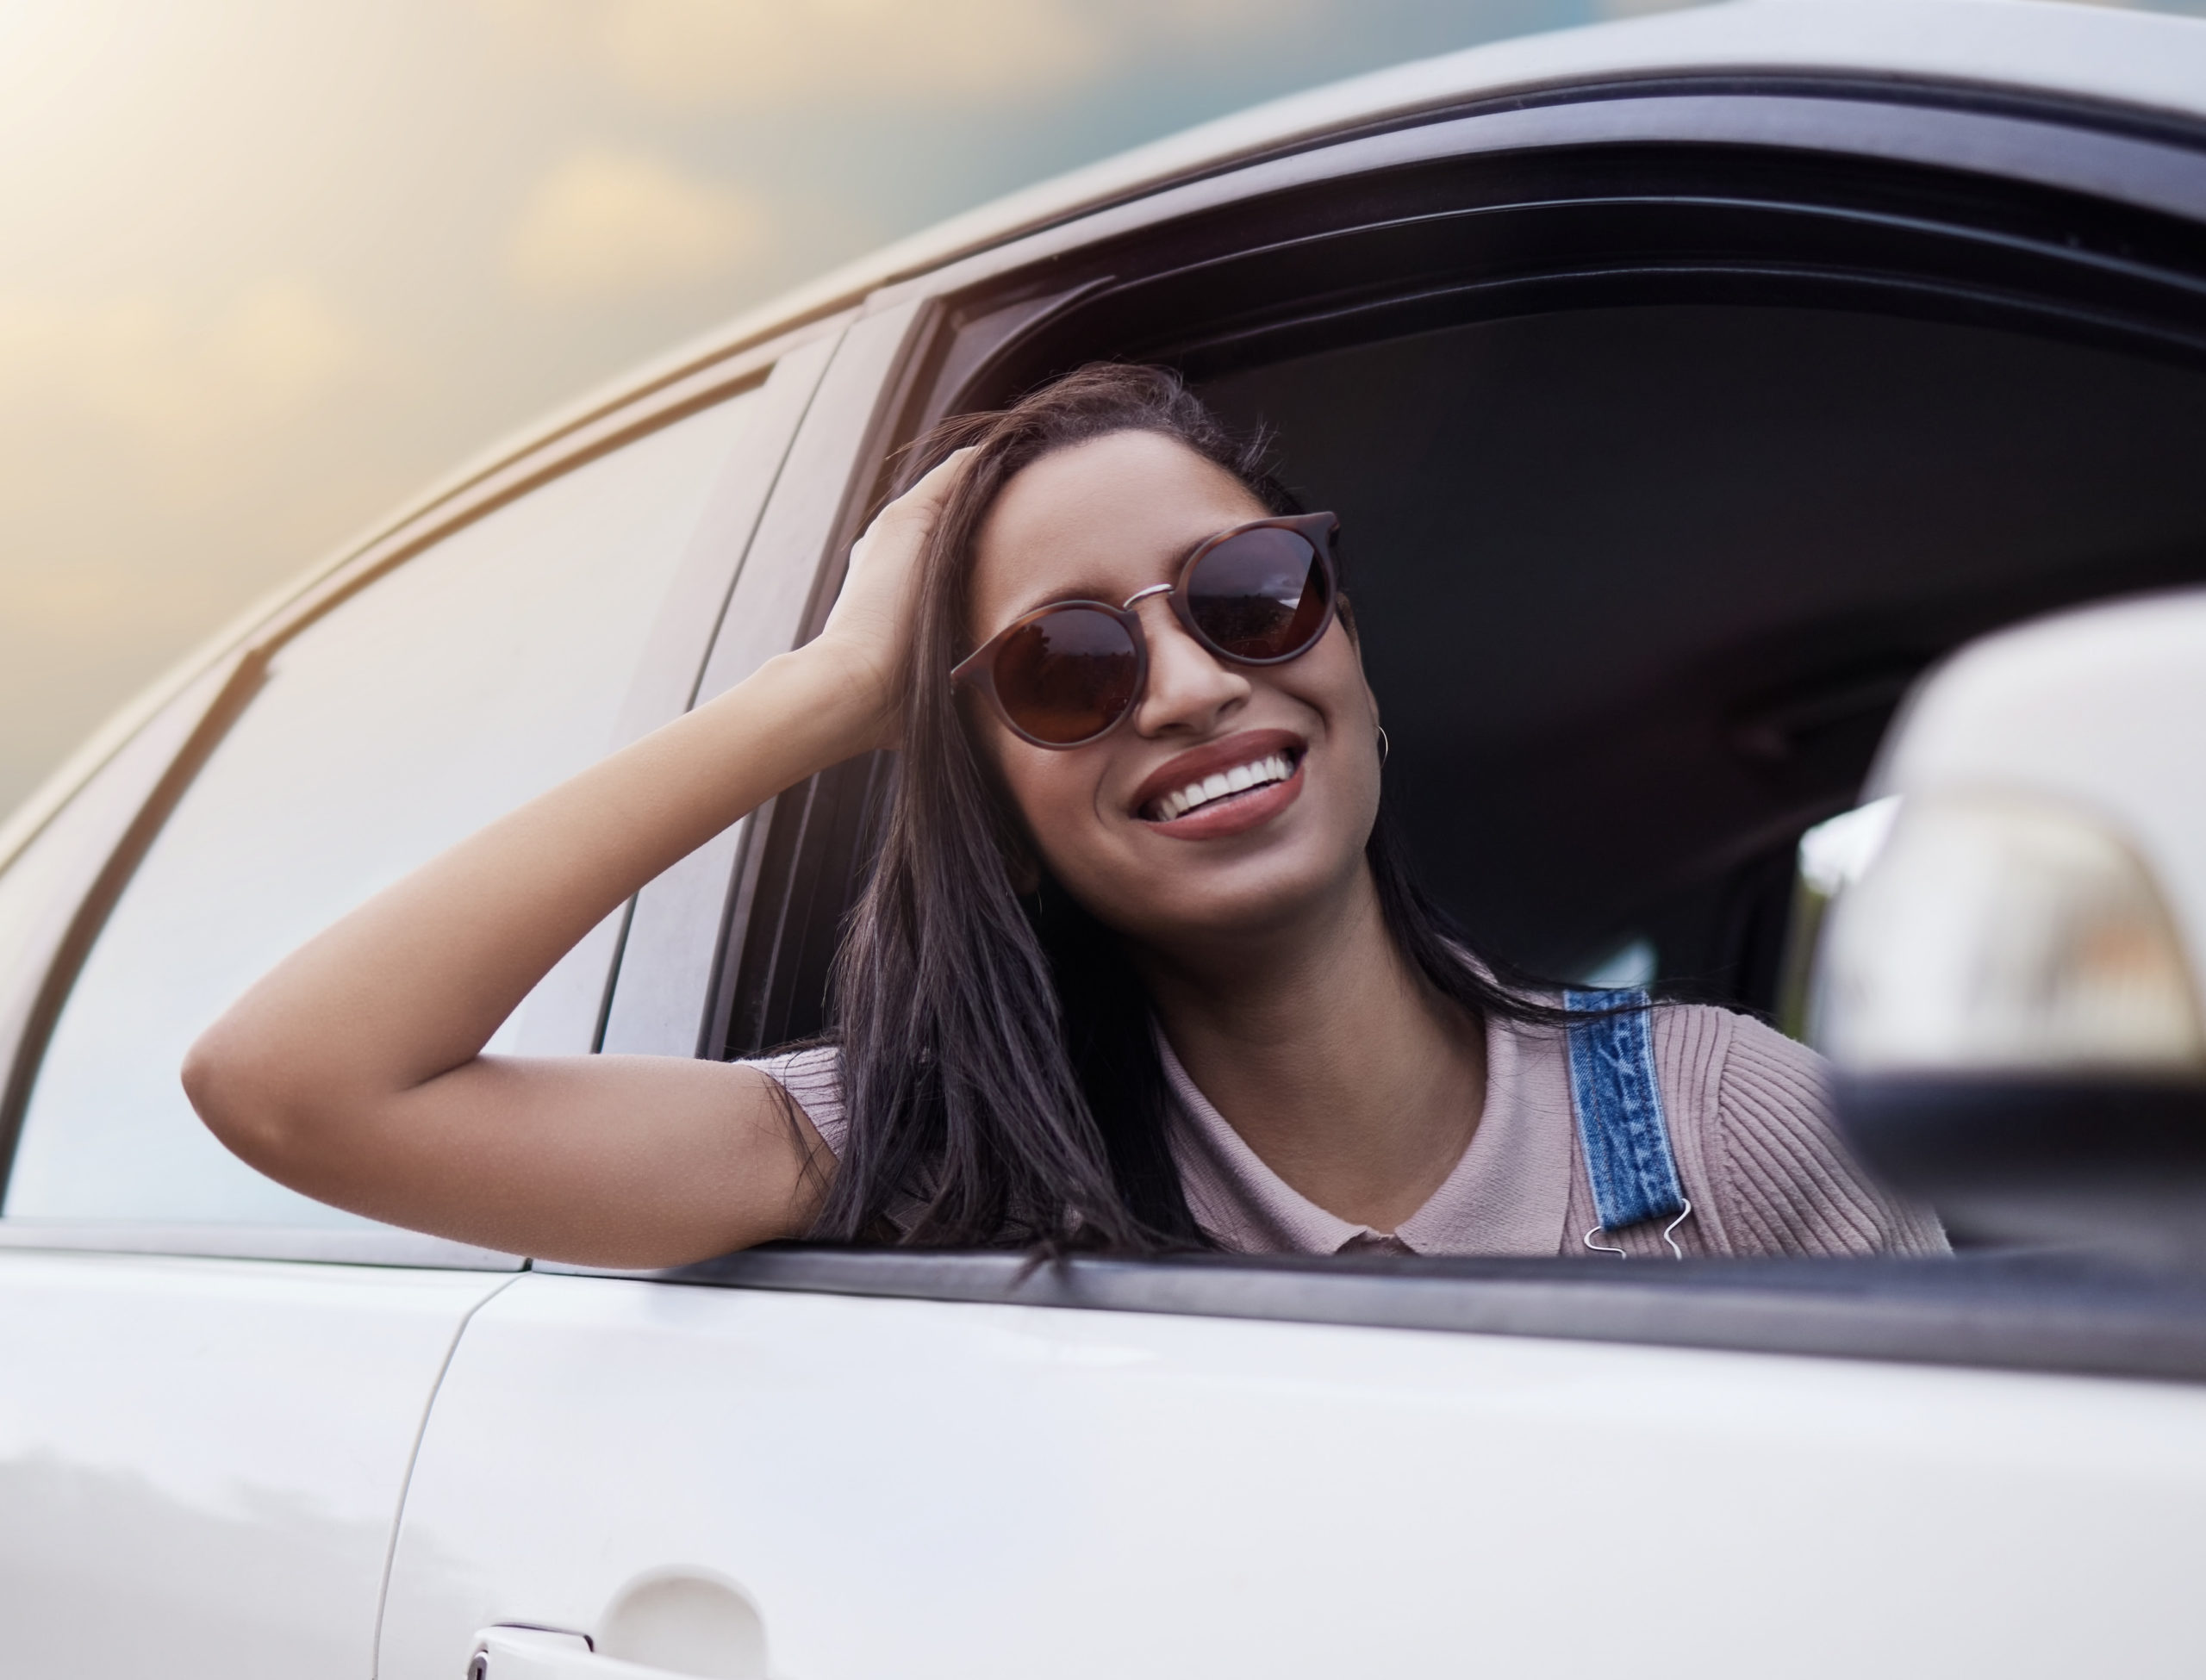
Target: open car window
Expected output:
[1664,472]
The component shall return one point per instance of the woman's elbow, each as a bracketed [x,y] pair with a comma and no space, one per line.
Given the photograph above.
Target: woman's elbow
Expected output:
[239,1091]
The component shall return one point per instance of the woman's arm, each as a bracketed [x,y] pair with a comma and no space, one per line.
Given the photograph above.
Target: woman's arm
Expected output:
[353,1072]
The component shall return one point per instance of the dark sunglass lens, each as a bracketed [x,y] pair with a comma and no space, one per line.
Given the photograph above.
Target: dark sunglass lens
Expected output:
[1260,596]
[1066,676]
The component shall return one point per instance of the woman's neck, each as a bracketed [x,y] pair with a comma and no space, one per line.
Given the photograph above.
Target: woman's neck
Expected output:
[1336,1061]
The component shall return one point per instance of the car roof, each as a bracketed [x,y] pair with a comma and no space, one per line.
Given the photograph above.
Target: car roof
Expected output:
[2059,50]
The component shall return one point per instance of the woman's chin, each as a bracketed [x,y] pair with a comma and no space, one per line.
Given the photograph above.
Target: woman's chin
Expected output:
[1218,899]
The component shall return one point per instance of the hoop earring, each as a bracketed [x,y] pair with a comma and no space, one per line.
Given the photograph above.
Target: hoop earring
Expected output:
[1385,747]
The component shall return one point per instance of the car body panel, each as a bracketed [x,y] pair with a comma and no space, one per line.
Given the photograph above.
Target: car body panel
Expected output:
[928,1489]
[201,1460]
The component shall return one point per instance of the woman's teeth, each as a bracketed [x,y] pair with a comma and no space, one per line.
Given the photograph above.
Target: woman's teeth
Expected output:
[1238,779]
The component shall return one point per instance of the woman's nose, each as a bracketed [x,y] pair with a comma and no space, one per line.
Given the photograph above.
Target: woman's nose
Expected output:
[1189,690]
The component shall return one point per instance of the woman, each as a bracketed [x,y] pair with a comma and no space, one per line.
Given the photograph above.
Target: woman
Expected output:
[1139,966]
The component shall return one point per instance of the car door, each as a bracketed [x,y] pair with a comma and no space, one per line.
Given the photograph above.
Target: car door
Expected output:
[851,1483]
[211,1388]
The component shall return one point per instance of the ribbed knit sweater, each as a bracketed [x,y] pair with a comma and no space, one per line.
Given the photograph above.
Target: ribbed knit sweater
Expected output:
[1748,1117]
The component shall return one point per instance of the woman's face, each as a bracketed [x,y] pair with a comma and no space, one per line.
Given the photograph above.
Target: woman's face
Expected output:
[1100,521]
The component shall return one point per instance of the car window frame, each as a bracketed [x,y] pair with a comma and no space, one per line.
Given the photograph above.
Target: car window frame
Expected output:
[972,318]
[234,675]
[688,926]
[980,319]
[129,791]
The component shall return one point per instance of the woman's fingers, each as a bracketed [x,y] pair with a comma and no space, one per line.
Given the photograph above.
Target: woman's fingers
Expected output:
[872,617]
[901,529]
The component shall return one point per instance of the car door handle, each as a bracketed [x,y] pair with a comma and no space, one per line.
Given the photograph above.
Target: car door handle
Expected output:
[539,1653]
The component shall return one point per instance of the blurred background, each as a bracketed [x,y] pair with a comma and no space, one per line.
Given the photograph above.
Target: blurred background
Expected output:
[271,265]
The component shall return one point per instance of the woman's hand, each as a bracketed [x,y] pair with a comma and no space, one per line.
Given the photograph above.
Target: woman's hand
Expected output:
[872,622]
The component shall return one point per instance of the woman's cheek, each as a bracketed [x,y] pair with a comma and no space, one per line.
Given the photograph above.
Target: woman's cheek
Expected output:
[1059,805]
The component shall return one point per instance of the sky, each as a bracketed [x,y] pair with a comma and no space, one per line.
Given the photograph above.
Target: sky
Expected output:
[271,266]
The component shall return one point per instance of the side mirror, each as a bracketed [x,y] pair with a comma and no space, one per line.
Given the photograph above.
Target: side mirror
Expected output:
[2010,991]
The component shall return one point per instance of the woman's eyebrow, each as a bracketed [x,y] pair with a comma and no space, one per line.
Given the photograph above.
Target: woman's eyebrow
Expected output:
[1089,590]
[1083,591]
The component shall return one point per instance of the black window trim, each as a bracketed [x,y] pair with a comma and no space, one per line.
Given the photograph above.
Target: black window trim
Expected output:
[2037,1312]
[2147,161]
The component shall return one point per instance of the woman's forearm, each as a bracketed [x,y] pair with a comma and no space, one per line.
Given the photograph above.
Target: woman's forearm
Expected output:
[412,983]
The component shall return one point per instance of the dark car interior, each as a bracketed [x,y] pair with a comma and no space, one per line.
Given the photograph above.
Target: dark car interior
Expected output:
[1662,477]
[1643,585]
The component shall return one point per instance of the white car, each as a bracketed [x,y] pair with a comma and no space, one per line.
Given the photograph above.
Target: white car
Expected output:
[1688,387]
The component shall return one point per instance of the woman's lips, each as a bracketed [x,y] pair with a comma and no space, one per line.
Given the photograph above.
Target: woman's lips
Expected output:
[1236,813]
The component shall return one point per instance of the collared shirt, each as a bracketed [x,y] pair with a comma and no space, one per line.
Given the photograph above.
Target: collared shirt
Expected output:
[1748,1111]
[1509,1194]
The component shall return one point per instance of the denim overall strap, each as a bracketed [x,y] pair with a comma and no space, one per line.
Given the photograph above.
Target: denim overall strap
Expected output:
[1619,1106]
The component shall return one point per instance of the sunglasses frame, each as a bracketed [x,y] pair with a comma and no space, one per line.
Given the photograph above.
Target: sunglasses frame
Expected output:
[977,670]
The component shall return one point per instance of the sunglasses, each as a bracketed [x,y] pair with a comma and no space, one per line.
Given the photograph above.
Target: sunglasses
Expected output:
[1068,674]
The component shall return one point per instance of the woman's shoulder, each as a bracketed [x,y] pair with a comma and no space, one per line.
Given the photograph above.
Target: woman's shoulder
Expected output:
[1760,1103]
[813,1076]
[1746,1055]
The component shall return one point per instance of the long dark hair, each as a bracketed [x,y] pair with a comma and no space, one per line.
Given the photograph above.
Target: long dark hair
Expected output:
[1000,1072]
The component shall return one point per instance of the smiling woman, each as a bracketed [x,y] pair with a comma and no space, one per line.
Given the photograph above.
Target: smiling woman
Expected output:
[1141,965]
